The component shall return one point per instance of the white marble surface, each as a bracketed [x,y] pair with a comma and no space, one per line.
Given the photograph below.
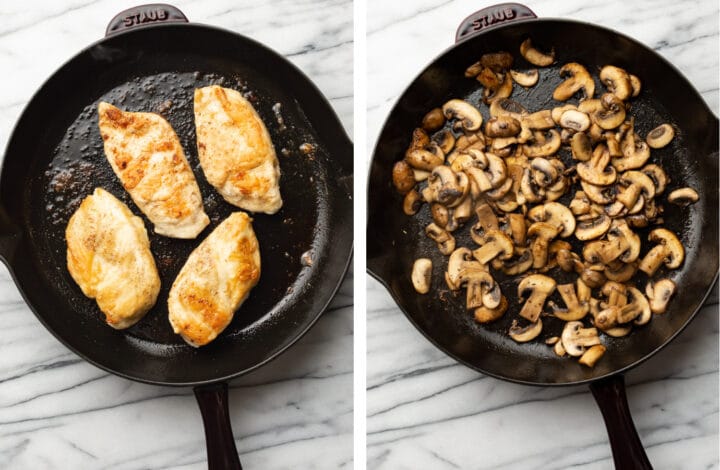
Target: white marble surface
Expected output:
[427,412]
[57,411]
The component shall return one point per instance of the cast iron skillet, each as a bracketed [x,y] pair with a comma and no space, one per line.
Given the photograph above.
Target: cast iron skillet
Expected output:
[151,60]
[395,240]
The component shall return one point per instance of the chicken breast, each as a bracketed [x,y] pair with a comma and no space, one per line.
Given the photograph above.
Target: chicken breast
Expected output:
[146,155]
[215,280]
[108,256]
[236,153]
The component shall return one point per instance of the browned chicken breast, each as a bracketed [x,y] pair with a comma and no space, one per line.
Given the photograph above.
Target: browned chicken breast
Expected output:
[146,155]
[215,281]
[108,255]
[236,153]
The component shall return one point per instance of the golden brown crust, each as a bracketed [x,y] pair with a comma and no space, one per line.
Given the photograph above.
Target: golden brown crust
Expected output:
[108,256]
[235,150]
[215,281]
[146,155]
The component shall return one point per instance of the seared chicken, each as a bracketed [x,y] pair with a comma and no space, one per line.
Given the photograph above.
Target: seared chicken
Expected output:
[108,255]
[215,280]
[235,150]
[146,155]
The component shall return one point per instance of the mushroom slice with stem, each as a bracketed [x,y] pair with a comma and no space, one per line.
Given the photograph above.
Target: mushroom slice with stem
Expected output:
[421,272]
[555,214]
[494,243]
[486,315]
[635,153]
[502,91]
[636,183]
[607,318]
[481,287]
[638,310]
[597,171]
[668,250]
[612,113]
[660,136]
[468,116]
[592,355]
[575,338]
[433,120]
[659,294]
[541,233]
[620,230]
[617,81]
[657,175]
[412,202]
[518,228]
[445,140]
[574,310]
[517,264]
[444,239]
[488,78]
[683,196]
[523,334]
[620,272]
[449,187]
[580,204]
[544,147]
[487,220]
[460,259]
[526,79]
[423,159]
[597,194]
[539,287]
[534,56]
[578,79]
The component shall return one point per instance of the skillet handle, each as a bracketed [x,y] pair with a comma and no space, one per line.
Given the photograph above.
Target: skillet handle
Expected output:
[221,451]
[144,15]
[490,17]
[628,451]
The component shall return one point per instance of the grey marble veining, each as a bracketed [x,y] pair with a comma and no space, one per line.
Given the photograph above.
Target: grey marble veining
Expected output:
[427,412]
[58,412]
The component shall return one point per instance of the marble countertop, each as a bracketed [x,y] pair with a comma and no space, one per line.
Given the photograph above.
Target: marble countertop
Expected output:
[426,411]
[56,411]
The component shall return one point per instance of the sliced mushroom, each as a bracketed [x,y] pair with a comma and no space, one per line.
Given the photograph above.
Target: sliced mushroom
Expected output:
[618,331]
[468,116]
[480,286]
[613,144]
[412,202]
[539,120]
[659,294]
[557,112]
[502,91]
[612,113]
[440,215]
[620,230]
[636,85]
[518,228]
[580,204]
[526,79]
[636,183]
[592,227]
[421,272]
[683,196]
[445,241]
[638,310]
[541,233]
[502,126]
[494,244]
[575,338]
[668,250]
[433,120]
[445,140]
[597,194]
[620,272]
[403,177]
[461,258]
[578,79]
[488,78]
[660,136]
[501,191]
[544,147]
[448,187]
[487,220]
[575,120]
[635,153]
[506,106]
[423,159]
[534,56]
[517,264]
[559,349]
[523,334]
[539,287]
[420,175]
[574,310]
[657,175]
[592,355]
[486,315]
[555,214]
[473,70]
[597,171]
[617,81]
[593,275]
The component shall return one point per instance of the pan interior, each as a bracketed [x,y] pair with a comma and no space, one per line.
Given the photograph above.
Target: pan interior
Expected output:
[395,240]
[157,70]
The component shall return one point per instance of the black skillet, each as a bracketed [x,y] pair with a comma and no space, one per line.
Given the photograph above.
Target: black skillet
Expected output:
[395,241]
[151,60]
